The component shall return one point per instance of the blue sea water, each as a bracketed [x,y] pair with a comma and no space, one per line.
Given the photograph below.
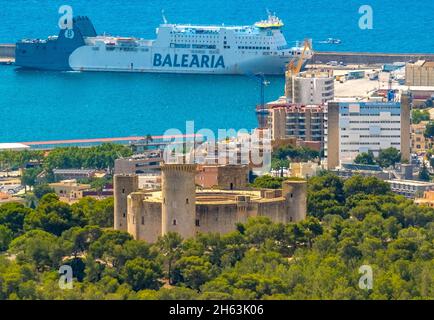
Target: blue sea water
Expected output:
[46,105]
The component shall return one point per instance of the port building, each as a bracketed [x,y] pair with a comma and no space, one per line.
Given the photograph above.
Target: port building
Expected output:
[410,188]
[360,126]
[420,73]
[13,147]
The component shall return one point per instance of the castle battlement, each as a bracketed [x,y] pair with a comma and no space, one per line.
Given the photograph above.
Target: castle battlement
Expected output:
[179,167]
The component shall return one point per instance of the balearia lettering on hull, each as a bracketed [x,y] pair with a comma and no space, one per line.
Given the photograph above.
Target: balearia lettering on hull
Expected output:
[189,61]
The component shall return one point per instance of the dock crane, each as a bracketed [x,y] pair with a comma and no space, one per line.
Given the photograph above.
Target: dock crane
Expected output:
[294,69]
[261,110]
[263,82]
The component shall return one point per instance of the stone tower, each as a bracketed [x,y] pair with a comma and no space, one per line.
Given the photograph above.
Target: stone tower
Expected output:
[123,185]
[179,199]
[295,192]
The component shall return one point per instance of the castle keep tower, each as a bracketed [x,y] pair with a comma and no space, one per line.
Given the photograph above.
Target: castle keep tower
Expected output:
[123,185]
[179,199]
[295,192]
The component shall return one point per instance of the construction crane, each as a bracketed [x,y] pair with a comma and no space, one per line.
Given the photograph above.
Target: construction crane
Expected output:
[294,69]
[263,83]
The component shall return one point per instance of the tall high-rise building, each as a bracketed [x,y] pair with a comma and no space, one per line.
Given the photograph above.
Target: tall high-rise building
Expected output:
[420,73]
[310,87]
[355,127]
[304,122]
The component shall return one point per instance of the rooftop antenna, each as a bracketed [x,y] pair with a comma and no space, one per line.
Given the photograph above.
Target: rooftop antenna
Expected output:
[164,17]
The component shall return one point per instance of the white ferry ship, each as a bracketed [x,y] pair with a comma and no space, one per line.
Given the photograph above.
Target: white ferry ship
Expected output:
[178,48]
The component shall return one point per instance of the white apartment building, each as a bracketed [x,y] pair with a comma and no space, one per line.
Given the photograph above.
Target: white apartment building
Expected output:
[356,127]
[310,87]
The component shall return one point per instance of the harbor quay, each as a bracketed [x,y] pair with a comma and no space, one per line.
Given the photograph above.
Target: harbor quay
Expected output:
[7,55]
[156,141]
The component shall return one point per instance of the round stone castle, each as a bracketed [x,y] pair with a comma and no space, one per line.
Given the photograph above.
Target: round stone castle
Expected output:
[183,208]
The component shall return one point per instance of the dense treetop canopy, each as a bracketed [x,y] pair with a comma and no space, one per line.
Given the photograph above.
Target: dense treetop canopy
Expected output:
[350,223]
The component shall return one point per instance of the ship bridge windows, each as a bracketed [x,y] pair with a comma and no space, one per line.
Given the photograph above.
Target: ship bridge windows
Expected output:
[252,48]
[203,46]
[180,45]
[128,49]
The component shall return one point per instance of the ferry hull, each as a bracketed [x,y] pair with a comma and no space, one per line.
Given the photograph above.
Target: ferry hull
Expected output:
[54,54]
[177,49]
[88,59]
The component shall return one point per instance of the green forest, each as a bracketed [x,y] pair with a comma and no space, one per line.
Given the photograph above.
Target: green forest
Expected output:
[100,157]
[350,223]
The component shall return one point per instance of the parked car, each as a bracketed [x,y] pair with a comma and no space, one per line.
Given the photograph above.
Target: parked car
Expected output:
[332,63]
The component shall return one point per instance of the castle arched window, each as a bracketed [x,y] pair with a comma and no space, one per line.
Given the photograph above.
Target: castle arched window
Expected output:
[124,214]
[143,220]
[186,201]
[123,190]
[197,223]
[174,222]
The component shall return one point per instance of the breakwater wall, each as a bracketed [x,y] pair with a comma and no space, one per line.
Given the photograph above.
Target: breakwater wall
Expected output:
[322,57]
